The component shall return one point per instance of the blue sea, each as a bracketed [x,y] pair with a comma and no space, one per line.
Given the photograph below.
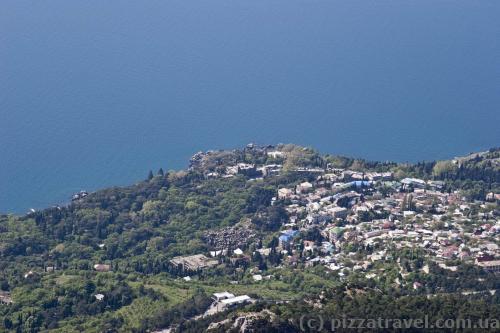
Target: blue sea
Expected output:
[96,93]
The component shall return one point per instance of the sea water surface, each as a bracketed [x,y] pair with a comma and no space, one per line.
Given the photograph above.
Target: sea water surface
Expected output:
[96,93]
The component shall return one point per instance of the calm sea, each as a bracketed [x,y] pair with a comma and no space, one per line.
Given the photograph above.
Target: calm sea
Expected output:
[95,93]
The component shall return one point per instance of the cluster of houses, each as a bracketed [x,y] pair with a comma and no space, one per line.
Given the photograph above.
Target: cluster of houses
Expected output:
[349,209]
[247,169]
[376,212]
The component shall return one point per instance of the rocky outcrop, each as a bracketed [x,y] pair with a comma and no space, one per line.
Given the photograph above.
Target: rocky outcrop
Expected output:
[249,322]
[229,238]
